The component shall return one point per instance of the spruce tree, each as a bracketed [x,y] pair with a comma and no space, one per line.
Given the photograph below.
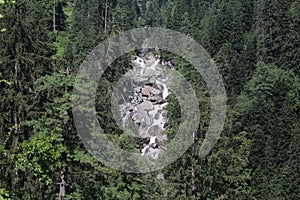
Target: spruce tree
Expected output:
[25,52]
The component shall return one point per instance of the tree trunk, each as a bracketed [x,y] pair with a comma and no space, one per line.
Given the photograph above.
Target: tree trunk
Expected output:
[193,174]
[54,18]
[105,17]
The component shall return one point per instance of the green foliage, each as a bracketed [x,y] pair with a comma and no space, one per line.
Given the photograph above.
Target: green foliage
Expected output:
[255,44]
[4,194]
[60,16]
[61,43]
[39,155]
[290,171]
[290,55]
[268,111]
[124,16]
[3,3]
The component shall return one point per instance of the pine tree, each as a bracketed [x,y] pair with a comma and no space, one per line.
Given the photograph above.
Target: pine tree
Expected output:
[25,52]
[268,111]
[289,59]
[60,16]
[290,172]
[271,29]
[90,25]
[226,36]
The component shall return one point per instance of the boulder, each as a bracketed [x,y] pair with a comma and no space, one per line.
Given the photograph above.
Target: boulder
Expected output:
[146,92]
[141,117]
[150,72]
[137,117]
[154,130]
[152,80]
[154,91]
[154,153]
[146,105]
[145,121]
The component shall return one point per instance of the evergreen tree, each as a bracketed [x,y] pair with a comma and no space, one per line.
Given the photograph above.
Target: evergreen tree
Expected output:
[255,45]
[25,53]
[87,30]
[60,16]
[124,16]
[271,29]
[268,112]
[289,59]
[290,172]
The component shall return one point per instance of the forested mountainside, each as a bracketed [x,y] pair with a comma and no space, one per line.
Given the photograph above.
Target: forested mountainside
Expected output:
[254,43]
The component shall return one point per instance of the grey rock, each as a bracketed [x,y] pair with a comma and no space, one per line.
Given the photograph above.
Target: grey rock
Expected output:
[152,80]
[141,117]
[145,121]
[146,105]
[152,154]
[154,91]
[154,130]
[162,137]
[150,72]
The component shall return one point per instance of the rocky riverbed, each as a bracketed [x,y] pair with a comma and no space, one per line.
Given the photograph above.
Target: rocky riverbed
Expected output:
[145,101]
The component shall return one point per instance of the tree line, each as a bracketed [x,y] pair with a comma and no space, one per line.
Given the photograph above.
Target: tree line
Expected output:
[255,46]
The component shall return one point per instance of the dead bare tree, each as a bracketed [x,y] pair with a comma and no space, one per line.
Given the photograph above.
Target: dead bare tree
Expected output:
[105,17]
[193,172]
[62,185]
[54,17]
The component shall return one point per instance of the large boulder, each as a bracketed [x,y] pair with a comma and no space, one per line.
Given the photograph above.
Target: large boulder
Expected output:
[149,72]
[146,105]
[146,92]
[154,130]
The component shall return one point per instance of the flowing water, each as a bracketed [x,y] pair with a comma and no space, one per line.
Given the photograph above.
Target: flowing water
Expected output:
[144,102]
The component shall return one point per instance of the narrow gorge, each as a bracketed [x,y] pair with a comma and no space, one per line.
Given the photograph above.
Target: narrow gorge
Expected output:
[144,93]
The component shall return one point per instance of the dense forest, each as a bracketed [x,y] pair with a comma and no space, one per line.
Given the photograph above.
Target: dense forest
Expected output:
[255,45]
